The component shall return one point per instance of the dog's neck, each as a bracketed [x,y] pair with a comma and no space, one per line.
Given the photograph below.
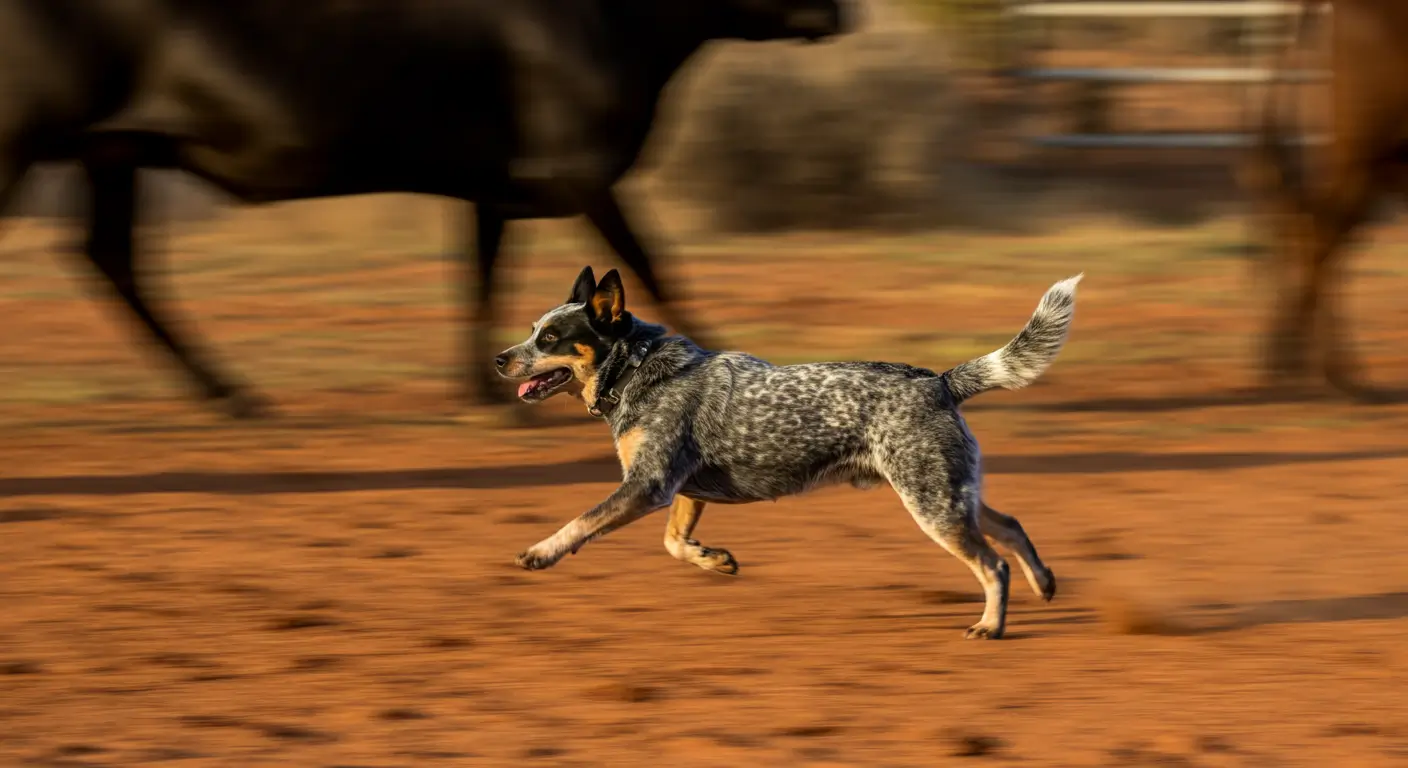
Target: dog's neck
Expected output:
[621,364]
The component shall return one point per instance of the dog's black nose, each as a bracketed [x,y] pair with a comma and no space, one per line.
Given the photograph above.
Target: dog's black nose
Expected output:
[501,361]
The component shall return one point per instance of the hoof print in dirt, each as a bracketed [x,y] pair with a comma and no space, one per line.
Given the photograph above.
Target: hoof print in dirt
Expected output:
[247,406]
[631,693]
[402,713]
[396,553]
[963,743]
[292,732]
[79,750]
[302,621]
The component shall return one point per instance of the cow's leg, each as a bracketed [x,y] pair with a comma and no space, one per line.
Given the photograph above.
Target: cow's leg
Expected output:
[112,216]
[604,212]
[1306,301]
[14,163]
[1341,366]
[483,386]
[1287,339]
[10,176]
[1314,238]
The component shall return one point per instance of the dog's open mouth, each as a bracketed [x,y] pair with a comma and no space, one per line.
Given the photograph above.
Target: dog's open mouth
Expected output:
[543,384]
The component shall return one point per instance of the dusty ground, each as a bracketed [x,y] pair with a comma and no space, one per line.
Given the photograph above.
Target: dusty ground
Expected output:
[335,588]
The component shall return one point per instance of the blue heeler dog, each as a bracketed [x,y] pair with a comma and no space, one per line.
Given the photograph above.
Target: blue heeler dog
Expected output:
[694,426]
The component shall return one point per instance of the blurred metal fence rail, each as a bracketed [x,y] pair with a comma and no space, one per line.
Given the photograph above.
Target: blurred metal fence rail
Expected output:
[1265,26]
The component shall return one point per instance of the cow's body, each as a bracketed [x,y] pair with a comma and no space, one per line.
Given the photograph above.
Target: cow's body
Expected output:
[531,108]
[1314,214]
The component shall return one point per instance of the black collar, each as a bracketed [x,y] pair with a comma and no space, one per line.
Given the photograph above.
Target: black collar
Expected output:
[621,364]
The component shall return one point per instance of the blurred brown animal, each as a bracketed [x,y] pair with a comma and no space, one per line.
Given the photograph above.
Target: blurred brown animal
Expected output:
[529,109]
[1312,219]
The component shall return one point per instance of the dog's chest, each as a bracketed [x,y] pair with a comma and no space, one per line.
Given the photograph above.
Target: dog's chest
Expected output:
[627,445]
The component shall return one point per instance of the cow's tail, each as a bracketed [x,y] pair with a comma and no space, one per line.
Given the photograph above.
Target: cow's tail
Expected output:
[1026,356]
[1273,166]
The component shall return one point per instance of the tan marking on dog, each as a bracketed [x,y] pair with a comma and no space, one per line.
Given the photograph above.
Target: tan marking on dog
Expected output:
[601,305]
[584,374]
[609,301]
[627,445]
[582,366]
[586,390]
[684,515]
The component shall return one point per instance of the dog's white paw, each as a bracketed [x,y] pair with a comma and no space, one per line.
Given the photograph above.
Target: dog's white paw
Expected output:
[983,632]
[537,559]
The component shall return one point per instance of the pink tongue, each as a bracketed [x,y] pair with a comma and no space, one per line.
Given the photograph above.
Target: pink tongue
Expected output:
[533,383]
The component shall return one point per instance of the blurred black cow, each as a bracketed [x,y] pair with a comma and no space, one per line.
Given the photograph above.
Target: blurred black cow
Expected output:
[1313,218]
[527,108]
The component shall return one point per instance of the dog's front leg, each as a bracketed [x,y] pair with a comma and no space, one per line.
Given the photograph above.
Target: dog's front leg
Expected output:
[628,503]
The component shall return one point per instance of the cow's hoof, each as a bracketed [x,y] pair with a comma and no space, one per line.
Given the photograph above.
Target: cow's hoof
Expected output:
[1365,394]
[247,406]
[1347,379]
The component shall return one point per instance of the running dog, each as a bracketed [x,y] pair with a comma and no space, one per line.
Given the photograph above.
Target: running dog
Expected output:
[694,426]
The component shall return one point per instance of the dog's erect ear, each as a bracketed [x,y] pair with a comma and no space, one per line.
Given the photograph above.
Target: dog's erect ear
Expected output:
[583,289]
[608,303]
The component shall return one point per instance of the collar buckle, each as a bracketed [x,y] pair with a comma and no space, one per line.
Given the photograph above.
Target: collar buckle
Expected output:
[612,397]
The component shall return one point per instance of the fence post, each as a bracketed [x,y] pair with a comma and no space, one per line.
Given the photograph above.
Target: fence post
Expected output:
[1093,98]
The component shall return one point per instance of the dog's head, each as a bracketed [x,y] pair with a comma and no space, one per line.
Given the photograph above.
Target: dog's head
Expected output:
[569,342]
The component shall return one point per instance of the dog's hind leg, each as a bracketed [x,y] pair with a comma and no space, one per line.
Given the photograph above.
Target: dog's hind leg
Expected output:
[952,521]
[684,515]
[1007,531]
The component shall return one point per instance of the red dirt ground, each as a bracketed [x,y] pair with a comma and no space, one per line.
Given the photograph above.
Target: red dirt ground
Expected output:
[335,588]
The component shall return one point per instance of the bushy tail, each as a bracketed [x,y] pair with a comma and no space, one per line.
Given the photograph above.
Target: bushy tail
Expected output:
[1025,357]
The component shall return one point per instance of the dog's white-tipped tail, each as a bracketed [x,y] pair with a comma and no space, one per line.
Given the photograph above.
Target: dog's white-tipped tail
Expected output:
[1026,356]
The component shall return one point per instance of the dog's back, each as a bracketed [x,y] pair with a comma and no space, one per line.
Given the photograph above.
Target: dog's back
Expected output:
[764,431]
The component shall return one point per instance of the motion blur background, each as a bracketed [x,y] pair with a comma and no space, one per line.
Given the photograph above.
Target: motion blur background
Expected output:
[334,587]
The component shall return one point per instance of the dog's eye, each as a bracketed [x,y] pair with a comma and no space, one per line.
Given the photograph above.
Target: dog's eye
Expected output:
[548,338]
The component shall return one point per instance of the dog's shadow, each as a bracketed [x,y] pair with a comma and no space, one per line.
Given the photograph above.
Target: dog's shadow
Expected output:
[1200,401]
[1383,606]
[1219,618]
[607,469]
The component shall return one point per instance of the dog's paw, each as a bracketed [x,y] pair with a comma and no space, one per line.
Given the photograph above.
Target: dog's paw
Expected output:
[534,560]
[1049,591]
[718,561]
[983,632]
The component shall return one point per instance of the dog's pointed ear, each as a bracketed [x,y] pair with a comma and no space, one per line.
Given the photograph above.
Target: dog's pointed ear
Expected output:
[583,289]
[608,304]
